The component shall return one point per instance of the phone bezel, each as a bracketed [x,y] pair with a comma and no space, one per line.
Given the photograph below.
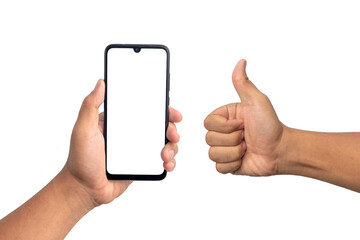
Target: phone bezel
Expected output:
[137,176]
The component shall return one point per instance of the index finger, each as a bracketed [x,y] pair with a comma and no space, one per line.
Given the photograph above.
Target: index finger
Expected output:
[218,123]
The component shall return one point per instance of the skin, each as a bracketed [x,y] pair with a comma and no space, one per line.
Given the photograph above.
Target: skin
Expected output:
[247,138]
[82,184]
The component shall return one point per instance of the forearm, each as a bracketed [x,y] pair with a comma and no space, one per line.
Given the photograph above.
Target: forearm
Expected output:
[330,157]
[50,214]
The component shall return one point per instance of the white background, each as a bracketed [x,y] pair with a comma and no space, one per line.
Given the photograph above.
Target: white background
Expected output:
[303,54]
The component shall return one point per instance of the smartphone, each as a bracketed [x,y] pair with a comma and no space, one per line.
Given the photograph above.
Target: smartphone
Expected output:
[137,82]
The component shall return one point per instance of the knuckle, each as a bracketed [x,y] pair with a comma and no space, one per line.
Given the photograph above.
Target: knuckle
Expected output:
[208,138]
[229,128]
[212,154]
[87,101]
[206,122]
[261,97]
[265,97]
[237,79]
[218,168]
[79,133]
[176,148]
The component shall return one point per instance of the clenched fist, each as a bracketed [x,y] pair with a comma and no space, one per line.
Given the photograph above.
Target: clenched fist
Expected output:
[245,137]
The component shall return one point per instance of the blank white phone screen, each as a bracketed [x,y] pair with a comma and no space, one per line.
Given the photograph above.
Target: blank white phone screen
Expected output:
[136,108]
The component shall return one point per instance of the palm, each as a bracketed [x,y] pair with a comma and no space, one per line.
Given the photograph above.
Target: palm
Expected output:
[89,168]
[263,133]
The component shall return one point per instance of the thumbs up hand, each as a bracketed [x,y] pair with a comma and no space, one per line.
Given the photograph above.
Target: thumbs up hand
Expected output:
[245,138]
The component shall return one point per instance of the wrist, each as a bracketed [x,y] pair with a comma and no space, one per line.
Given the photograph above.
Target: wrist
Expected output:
[77,199]
[288,161]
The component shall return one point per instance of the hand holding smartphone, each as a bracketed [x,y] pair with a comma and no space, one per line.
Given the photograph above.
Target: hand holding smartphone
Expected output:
[136,110]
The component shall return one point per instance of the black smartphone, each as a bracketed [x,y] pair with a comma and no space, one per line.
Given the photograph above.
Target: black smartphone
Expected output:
[136,105]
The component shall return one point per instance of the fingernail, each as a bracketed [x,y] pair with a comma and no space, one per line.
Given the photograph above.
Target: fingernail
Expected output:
[171,154]
[98,83]
[244,145]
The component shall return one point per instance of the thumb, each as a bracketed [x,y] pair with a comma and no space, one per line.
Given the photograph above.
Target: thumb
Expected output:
[242,84]
[89,112]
